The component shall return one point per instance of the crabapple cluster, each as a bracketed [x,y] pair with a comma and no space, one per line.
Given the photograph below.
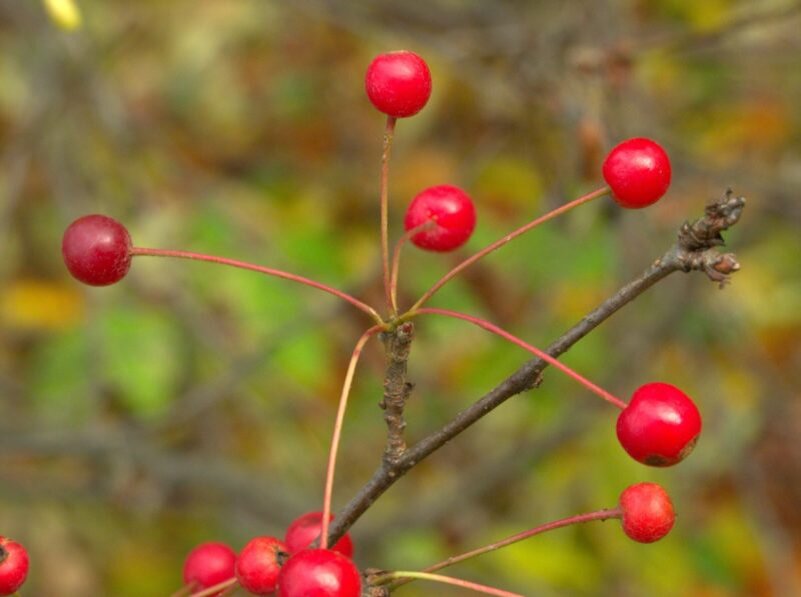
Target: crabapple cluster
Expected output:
[659,426]
[291,567]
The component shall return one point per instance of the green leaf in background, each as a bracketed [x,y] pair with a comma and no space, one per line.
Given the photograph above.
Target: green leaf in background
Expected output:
[551,559]
[304,357]
[61,385]
[416,549]
[141,358]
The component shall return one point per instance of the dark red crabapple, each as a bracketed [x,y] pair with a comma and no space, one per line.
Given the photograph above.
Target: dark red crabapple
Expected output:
[209,564]
[305,529]
[453,215]
[638,172]
[660,425]
[647,512]
[13,566]
[259,563]
[398,83]
[97,250]
[319,573]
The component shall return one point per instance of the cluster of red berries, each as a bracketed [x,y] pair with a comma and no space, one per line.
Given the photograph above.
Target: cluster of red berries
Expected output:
[659,426]
[13,566]
[288,568]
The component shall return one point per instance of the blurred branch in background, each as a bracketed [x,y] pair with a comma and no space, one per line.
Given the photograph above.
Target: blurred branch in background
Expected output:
[120,467]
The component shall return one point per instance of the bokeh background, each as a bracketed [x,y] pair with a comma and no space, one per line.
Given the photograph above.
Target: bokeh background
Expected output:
[191,403]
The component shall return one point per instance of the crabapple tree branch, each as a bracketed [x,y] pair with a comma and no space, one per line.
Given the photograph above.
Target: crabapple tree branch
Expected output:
[696,249]
[396,389]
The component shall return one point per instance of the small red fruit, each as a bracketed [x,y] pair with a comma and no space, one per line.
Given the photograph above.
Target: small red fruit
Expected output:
[97,250]
[647,512]
[209,564]
[319,573]
[259,563]
[660,425]
[453,215]
[398,83]
[638,172]
[13,566]
[306,529]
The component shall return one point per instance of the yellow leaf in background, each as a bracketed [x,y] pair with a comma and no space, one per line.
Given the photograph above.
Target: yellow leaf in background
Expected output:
[662,71]
[40,305]
[509,183]
[709,15]
[65,13]
[571,300]
[758,128]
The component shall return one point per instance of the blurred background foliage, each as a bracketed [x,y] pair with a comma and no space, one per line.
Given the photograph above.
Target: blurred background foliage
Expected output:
[191,403]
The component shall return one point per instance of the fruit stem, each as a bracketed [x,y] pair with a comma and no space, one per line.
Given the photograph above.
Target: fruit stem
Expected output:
[389,133]
[396,255]
[449,580]
[505,239]
[556,524]
[491,327]
[184,590]
[214,589]
[340,417]
[261,269]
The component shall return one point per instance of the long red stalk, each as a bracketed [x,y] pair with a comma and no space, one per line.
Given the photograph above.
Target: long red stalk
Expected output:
[502,241]
[219,588]
[340,417]
[407,575]
[556,524]
[139,251]
[491,327]
[389,133]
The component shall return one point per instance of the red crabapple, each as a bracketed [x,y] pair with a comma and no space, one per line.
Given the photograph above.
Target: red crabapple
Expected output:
[660,425]
[13,566]
[319,573]
[398,83]
[306,529]
[97,250]
[451,212]
[209,564]
[647,512]
[259,564]
[638,172]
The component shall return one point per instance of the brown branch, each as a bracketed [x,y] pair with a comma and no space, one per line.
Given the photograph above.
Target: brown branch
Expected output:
[695,249]
[397,345]
[480,480]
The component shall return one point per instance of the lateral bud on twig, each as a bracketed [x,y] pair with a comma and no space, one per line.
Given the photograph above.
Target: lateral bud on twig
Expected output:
[698,241]
[369,590]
